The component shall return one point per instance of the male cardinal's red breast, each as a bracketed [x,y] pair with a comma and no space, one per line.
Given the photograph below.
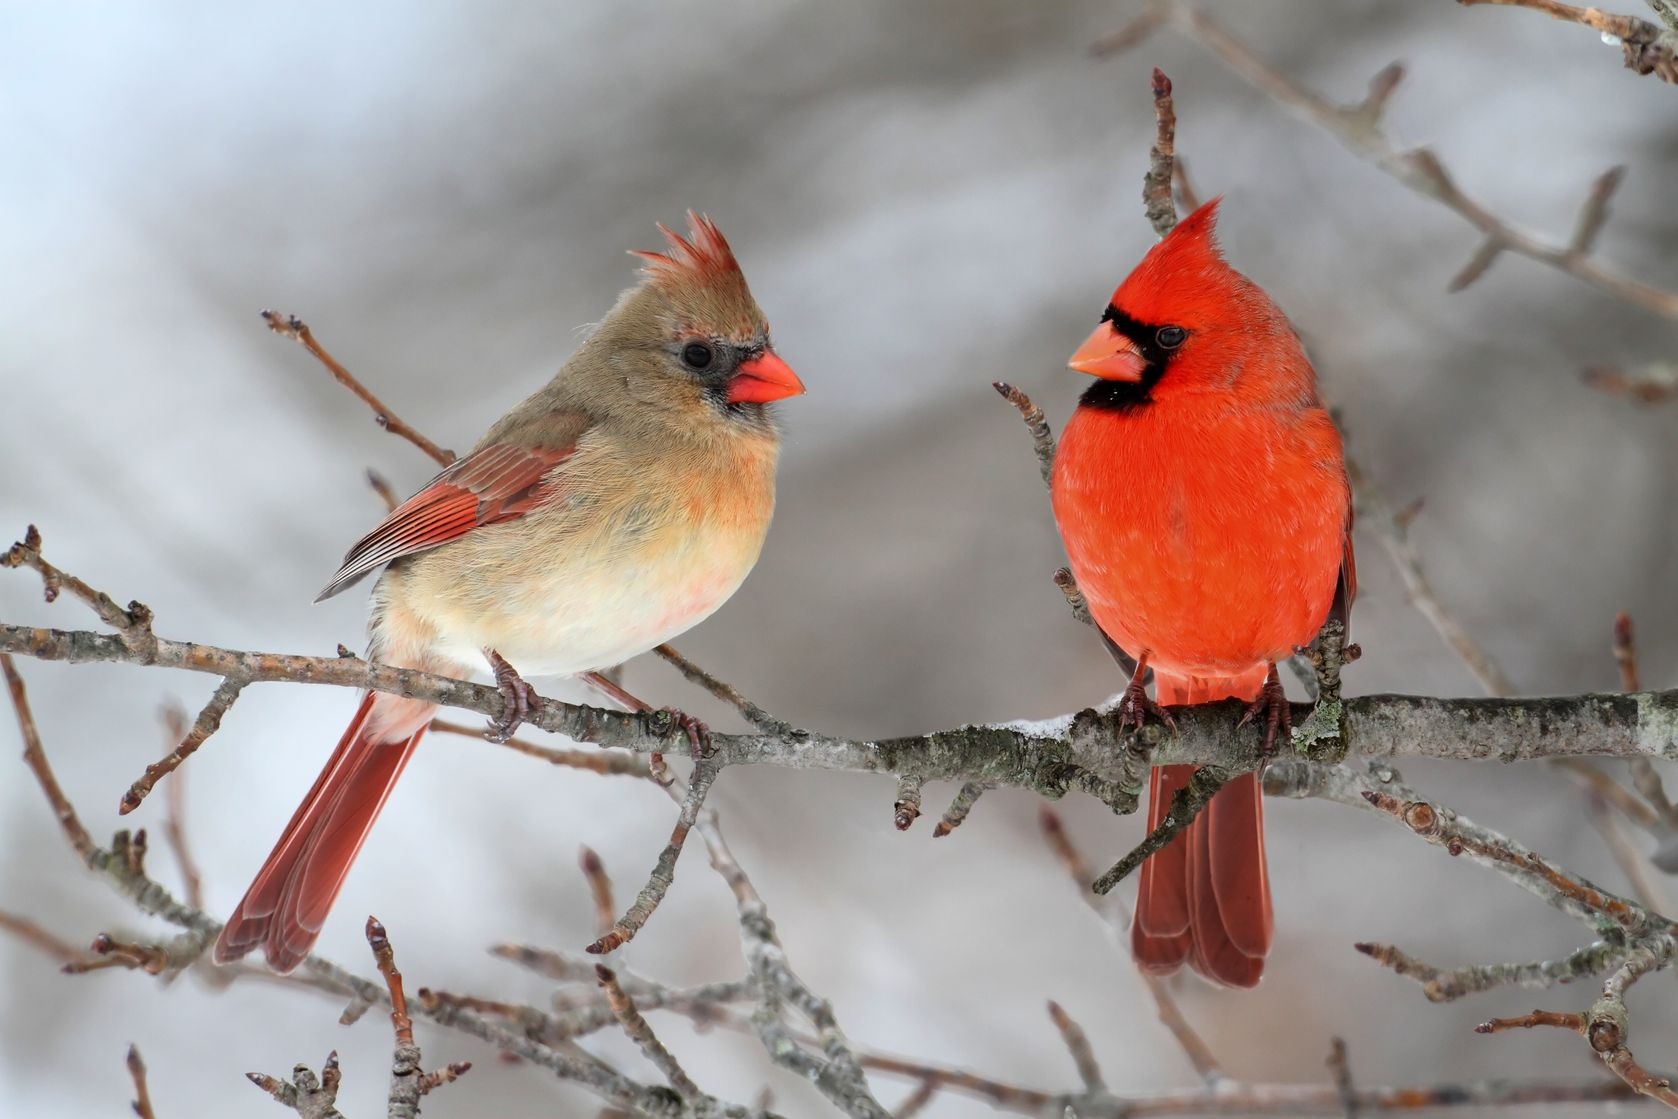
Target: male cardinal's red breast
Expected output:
[615,508]
[1202,495]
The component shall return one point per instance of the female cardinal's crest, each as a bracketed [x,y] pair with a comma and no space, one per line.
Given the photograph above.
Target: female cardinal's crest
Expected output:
[702,257]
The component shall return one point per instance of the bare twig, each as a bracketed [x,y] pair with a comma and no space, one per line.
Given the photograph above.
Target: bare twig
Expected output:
[36,759]
[730,695]
[599,888]
[35,936]
[1042,435]
[1078,1044]
[142,1094]
[207,723]
[174,820]
[664,870]
[604,762]
[1186,803]
[1358,128]
[290,326]
[1648,49]
[1075,600]
[638,1031]
[1157,202]
[1440,985]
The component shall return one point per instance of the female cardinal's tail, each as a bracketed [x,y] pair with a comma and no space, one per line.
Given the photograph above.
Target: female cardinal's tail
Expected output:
[287,903]
[1205,897]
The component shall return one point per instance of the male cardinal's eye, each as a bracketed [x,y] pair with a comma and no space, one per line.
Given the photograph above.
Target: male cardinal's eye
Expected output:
[696,355]
[1171,336]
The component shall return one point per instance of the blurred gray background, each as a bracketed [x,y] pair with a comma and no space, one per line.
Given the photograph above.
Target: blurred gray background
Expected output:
[926,197]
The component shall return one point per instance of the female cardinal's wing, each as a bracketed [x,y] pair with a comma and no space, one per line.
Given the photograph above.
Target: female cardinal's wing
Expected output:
[494,483]
[1347,589]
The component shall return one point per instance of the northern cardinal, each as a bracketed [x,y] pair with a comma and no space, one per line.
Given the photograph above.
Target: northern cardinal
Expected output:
[613,509]
[1201,492]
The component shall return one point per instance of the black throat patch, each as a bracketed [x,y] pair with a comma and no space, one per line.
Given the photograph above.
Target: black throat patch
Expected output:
[1123,396]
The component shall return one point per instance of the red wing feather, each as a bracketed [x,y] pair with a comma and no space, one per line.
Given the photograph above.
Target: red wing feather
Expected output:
[493,484]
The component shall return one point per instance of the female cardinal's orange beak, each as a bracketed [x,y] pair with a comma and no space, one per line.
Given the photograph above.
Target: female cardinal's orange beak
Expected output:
[1109,355]
[762,379]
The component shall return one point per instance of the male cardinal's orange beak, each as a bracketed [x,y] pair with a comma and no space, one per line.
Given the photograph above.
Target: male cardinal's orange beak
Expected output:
[1109,355]
[762,379]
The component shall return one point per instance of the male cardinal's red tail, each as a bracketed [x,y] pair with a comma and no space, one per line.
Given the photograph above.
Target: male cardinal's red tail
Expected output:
[287,903]
[1205,897]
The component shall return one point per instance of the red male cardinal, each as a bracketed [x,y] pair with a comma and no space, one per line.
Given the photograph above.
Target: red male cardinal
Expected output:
[615,508]
[1202,495]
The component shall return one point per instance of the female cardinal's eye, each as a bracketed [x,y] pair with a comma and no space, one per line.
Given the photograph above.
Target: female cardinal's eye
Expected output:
[1171,336]
[697,355]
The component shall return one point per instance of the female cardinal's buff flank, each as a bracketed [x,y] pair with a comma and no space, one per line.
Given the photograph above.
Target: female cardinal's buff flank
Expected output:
[615,508]
[1202,495]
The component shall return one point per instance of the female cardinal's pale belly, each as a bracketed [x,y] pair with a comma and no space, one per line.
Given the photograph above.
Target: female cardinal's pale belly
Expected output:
[584,583]
[1209,534]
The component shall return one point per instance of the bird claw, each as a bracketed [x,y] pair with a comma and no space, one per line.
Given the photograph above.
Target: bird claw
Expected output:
[1135,707]
[520,698]
[698,734]
[1272,703]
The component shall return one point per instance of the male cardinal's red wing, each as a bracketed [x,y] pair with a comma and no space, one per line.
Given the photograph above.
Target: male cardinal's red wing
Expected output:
[492,484]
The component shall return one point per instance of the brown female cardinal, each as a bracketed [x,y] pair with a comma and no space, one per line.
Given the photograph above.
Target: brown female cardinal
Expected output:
[1202,495]
[615,508]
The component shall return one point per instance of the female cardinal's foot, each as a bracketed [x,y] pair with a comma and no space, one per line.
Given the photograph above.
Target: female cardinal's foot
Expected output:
[1272,703]
[699,735]
[520,696]
[1135,706]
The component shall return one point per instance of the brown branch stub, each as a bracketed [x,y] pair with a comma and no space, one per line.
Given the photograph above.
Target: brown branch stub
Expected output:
[1655,383]
[1647,48]
[310,1096]
[955,815]
[1042,435]
[1157,203]
[1593,215]
[907,808]
[635,1027]
[142,1093]
[1340,1068]
[290,326]
[1186,803]
[384,956]
[174,820]
[36,759]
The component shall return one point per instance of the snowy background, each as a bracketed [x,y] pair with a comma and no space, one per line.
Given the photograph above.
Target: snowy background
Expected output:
[926,197]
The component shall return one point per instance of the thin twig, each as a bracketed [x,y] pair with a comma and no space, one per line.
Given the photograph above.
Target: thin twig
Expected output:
[1186,803]
[1157,201]
[35,936]
[142,1094]
[664,870]
[207,723]
[730,695]
[1078,1044]
[174,820]
[604,762]
[1648,49]
[36,759]
[1340,1068]
[290,326]
[638,1031]
[1358,128]
[1042,435]
[599,888]
[310,1096]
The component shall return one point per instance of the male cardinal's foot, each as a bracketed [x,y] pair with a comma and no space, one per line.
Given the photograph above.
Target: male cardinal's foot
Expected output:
[520,696]
[1272,703]
[1135,706]
[699,735]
